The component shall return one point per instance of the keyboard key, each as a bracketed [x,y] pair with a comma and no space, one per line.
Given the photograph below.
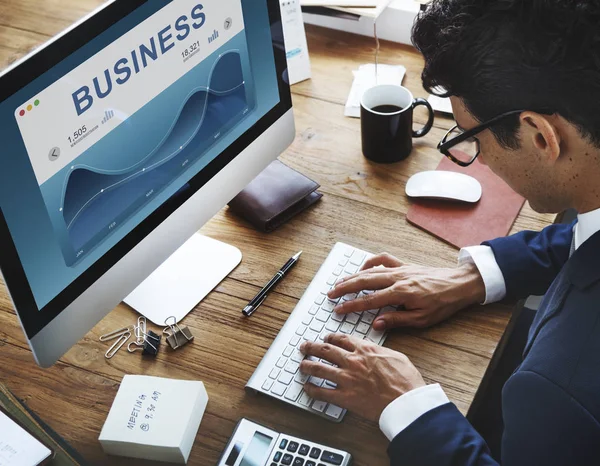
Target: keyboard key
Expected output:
[319,406]
[297,356]
[267,385]
[351,269]
[325,289]
[332,458]
[334,326]
[367,318]
[353,318]
[294,391]
[317,326]
[298,462]
[387,310]
[287,459]
[286,378]
[330,384]
[322,316]
[281,362]
[316,381]
[315,453]
[337,317]
[357,258]
[274,373]
[313,309]
[347,328]
[362,328]
[301,378]
[287,352]
[293,447]
[331,280]
[292,367]
[323,335]
[319,299]
[343,262]
[373,311]
[300,330]
[334,411]
[311,335]
[307,319]
[305,399]
[304,449]
[278,389]
[328,306]
[282,446]
[348,252]
[349,296]
[295,340]
[375,336]
[337,271]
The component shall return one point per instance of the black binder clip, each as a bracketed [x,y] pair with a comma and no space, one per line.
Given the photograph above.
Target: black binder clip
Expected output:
[177,337]
[149,346]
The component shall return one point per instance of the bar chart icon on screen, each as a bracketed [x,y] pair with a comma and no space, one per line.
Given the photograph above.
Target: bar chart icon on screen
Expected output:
[108,115]
[214,36]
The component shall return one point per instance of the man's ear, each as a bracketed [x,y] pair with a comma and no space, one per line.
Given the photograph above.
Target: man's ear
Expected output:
[543,134]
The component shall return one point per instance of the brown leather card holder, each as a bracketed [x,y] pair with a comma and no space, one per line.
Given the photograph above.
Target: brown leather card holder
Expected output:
[275,196]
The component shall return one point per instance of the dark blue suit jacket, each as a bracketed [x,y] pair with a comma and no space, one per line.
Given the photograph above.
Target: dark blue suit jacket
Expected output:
[551,404]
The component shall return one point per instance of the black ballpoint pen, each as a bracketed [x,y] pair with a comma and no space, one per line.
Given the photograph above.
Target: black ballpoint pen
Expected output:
[262,295]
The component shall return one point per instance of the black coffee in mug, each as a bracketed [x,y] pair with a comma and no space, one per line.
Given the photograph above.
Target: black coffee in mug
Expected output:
[387,123]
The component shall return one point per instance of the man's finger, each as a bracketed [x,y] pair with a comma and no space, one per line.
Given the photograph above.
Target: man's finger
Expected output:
[360,282]
[375,300]
[385,259]
[323,394]
[318,369]
[399,319]
[343,341]
[331,353]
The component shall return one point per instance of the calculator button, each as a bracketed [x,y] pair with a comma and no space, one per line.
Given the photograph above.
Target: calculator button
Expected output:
[278,455]
[273,464]
[315,453]
[287,459]
[293,447]
[282,445]
[298,462]
[304,449]
[311,463]
[332,458]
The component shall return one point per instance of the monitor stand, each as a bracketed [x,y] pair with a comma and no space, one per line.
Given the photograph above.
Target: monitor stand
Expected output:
[184,279]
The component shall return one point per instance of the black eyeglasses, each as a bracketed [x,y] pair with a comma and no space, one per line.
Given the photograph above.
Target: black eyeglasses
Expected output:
[462,147]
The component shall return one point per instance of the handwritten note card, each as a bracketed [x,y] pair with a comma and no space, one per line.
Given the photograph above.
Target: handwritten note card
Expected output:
[18,447]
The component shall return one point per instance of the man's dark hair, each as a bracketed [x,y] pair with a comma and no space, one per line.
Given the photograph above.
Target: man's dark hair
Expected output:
[503,55]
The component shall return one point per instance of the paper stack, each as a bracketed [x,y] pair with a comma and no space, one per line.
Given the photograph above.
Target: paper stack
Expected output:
[368,76]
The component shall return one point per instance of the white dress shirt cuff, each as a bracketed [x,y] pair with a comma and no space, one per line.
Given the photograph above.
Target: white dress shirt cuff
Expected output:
[406,409]
[483,257]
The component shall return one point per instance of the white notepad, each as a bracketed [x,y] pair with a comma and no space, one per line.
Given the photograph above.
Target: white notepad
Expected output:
[18,447]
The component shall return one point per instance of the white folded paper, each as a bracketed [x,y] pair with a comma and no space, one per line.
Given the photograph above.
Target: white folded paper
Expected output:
[365,78]
[154,418]
[440,104]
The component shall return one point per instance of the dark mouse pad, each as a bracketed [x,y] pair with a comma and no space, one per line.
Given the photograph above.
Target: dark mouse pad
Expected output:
[462,224]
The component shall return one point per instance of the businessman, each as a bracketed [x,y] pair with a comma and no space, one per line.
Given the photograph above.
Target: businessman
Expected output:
[524,80]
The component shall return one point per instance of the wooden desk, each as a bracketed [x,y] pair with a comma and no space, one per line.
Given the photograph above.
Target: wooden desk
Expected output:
[363,205]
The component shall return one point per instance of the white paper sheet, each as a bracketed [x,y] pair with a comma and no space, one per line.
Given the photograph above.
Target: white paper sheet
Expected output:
[364,79]
[17,446]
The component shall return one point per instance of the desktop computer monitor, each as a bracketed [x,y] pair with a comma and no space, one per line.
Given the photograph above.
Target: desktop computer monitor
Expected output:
[119,139]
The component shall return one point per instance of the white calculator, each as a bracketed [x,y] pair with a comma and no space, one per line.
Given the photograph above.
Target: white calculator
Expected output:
[254,445]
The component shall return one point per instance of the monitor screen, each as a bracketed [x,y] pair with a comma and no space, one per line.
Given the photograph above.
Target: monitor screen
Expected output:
[104,144]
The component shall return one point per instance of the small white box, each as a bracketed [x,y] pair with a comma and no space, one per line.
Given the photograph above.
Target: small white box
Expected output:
[154,418]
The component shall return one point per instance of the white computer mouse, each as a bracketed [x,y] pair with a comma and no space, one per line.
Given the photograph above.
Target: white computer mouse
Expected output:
[438,184]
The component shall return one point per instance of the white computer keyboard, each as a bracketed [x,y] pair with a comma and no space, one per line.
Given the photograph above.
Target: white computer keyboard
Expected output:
[278,373]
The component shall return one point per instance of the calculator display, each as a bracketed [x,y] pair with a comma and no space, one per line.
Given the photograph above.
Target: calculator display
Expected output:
[258,450]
